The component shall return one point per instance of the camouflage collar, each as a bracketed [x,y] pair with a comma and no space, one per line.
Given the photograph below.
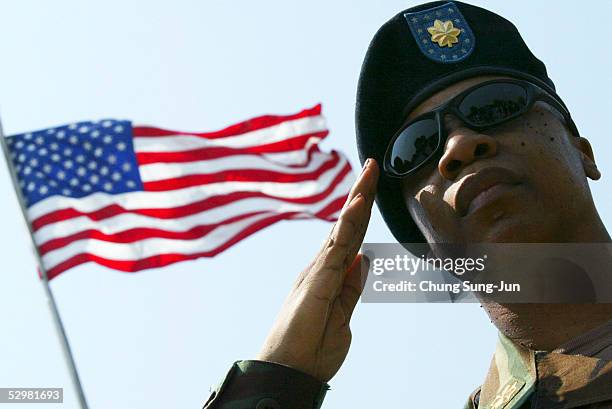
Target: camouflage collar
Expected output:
[549,379]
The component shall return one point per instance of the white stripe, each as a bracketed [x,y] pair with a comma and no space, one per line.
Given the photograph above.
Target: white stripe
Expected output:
[282,131]
[163,171]
[181,197]
[129,221]
[150,247]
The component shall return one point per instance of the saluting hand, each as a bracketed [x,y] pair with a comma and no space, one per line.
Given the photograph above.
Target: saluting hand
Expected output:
[312,333]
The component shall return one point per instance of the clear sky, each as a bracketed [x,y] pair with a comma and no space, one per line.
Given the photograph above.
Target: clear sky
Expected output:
[161,338]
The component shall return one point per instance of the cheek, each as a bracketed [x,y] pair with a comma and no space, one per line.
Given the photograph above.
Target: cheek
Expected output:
[547,156]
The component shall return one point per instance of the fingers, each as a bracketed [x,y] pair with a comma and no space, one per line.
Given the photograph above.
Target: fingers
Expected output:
[347,234]
[353,284]
[439,218]
[366,182]
[338,252]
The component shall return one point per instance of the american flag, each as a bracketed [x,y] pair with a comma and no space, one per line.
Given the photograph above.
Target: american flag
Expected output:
[137,197]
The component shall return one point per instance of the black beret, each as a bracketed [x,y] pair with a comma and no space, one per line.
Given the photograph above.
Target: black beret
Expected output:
[406,63]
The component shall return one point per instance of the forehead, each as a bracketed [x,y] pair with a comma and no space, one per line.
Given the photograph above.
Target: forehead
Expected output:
[449,92]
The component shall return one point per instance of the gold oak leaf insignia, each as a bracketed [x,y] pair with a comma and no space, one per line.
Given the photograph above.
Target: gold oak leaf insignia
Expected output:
[444,33]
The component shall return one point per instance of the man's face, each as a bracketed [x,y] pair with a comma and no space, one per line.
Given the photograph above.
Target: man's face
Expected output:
[522,181]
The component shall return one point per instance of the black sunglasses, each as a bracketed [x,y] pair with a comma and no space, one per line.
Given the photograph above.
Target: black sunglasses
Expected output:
[482,106]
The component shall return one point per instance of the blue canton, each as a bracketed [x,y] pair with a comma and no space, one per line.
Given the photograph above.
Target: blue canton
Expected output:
[76,160]
[420,21]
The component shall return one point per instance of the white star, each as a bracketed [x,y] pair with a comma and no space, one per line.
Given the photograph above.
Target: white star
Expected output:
[61,134]
[31,186]
[107,139]
[33,162]
[31,148]
[39,140]
[74,182]
[54,146]
[43,151]
[98,152]
[43,189]
[92,165]
[53,183]
[108,186]
[27,170]
[50,131]
[112,159]
[121,146]
[55,157]
[19,144]
[68,164]
[61,175]
[80,158]
[68,151]
[73,139]
[118,129]
[86,188]
[87,146]
[27,136]
[47,168]
[107,123]
[130,184]
[40,175]
[72,126]
[66,192]
[81,171]
[94,179]
[84,129]
[21,157]
[104,171]
[95,134]
[126,167]
[116,176]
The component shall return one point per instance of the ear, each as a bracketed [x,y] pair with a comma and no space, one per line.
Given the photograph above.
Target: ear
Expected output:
[587,158]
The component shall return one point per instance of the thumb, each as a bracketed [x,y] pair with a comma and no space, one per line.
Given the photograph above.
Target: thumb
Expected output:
[435,218]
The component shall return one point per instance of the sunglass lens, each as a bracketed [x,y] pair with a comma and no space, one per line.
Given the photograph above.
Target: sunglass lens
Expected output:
[414,146]
[493,103]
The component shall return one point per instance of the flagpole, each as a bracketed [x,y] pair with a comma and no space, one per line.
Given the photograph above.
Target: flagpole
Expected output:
[57,320]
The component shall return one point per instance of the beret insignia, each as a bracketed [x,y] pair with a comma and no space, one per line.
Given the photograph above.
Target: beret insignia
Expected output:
[442,33]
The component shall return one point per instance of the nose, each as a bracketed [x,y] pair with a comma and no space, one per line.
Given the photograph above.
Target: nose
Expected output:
[464,146]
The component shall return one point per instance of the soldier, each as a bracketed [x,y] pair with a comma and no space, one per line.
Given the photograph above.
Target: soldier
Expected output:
[450,92]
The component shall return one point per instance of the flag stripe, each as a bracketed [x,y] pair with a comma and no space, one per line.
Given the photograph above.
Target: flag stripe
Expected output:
[240,175]
[161,171]
[186,142]
[287,145]
[154,204]
[116,229]
[160,260]
[264,121]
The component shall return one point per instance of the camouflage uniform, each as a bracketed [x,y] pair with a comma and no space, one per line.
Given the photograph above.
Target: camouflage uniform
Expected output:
[518,378]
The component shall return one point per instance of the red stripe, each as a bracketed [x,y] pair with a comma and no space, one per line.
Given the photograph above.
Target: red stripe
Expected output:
[136,234]
[162,260]
[286,145]
[240,175]
[250,125]
[182,211]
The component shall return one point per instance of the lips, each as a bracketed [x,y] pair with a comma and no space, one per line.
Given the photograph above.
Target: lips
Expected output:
[476,183]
